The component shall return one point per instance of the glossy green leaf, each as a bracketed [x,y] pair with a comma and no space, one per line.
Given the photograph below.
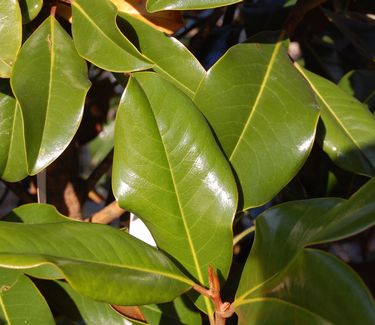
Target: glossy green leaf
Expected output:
[264,116]
[92,312]
[20,300]
[172,59]
[157,5]
[284,231]
[178,312]
[98,261]
[11,35]
[50,82]
[98,39]
[169,171]
[13,163]
[349,126]
[306,294]
[30,9]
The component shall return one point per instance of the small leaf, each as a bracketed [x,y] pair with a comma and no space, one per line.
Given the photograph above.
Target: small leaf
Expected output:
[20,300]
[164,21]
[13,162]
[11,35]
[98,261]
[48,66]
[157,5]
[169,171]
[349,126]
[264,116]
[184,70]
[30,9]
[98,39]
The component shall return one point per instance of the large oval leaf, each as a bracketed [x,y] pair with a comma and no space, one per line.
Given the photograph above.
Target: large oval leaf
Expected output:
[98,261]
[341,297]
[283,232]
[264,116]
[99,40]
[20,300]
[11,35]
[13,163]
[50,82]
[157,5]
[184,70]
[169,171]
[349,126]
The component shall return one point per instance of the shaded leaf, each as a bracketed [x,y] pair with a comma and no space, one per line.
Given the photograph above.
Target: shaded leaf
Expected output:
[13,163]
[184,70]
[30,9]
[92,312]
[47,67]
[20,300]
[263,114]
[11,35]
[349,126]
[180,311]
[98,261]
[157,5]
[98,39]
[169,171]
[164,21]
[283,232]
[294,297]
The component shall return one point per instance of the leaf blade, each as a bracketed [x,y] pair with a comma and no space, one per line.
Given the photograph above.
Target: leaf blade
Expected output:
[99,40]
[46,67]
[263,114]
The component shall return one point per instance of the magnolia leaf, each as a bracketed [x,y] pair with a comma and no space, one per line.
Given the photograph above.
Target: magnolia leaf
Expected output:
[98,261]
[263,114]
[83,310]
[296,225]
[48,66]
[169,171]
[293,297]
[13,162]
[164,21]
[349,127]
[178,312]
[184,70]
[157,5]
[98,39]
[11,35]
[30,9]
[20,300]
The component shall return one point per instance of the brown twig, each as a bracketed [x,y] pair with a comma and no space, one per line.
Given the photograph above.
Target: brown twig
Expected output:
[108,214]
[223,310]
[53,10]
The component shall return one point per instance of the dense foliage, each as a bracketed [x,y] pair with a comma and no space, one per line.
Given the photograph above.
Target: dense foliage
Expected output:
[248,145]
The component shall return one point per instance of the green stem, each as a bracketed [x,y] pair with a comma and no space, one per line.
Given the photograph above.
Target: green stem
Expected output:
[242,235]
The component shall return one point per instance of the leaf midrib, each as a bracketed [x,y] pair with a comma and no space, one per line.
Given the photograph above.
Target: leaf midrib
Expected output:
[53,259]
[331,111]
[259,96]
[183,217]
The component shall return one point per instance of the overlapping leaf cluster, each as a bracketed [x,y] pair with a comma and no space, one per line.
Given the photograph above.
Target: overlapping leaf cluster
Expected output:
[192,148]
